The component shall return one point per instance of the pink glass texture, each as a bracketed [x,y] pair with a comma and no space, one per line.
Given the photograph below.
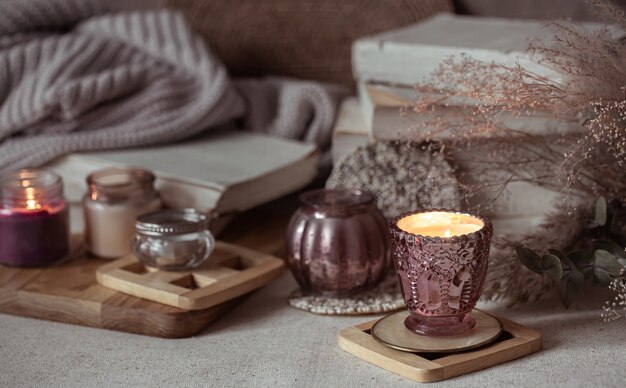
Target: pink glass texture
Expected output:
[34,223]
[441,278]
[338,242]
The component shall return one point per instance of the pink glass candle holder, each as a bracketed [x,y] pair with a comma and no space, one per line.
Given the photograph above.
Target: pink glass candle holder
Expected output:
[338,242]
[34,224]
[440,258]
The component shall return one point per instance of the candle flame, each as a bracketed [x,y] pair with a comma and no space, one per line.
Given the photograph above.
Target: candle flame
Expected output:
[447,233]
[31,201]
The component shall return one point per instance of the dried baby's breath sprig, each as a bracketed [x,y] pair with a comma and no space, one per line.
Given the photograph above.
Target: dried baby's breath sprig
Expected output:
[565,132]
[616,308]
[508,280]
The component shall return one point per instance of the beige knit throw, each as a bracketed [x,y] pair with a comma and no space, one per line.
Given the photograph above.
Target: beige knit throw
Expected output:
[74,78]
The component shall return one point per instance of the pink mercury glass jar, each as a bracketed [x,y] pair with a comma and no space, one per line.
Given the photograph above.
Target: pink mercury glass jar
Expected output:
[440,258]
[338,242]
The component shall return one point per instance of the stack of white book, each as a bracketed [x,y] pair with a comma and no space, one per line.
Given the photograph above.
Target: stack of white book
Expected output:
[386,66]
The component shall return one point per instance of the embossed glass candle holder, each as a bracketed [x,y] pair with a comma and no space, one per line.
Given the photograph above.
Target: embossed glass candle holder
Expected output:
[441,262]
[338,242]
[34,224]
[173,239]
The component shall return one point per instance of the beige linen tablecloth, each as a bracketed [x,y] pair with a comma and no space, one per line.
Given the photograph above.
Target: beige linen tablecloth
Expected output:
[265,343]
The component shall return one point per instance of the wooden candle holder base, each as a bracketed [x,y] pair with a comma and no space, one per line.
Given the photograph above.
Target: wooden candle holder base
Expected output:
[68,292]
[230,272]
[515,341]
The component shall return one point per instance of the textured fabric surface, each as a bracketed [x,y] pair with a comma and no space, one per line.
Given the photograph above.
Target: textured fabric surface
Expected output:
[384,297]
[73,78]
[266,343]
[302,110]
[308,39]
[403,177]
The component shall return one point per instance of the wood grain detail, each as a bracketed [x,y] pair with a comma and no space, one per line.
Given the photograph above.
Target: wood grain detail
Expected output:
[521,341]
[233,271]
[68,292]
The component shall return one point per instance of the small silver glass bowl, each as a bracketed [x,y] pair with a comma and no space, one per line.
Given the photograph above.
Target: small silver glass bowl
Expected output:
[173,239]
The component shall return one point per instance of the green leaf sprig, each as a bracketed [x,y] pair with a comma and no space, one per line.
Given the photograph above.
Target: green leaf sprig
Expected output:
[600,258]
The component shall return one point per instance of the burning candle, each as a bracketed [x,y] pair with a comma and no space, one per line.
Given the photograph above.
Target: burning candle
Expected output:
[115,199]
[441,262]
[34,224]
[440,224]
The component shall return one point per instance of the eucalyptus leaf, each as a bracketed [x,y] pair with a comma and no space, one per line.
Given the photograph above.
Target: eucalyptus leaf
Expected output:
[582,259]
[601,211]
[552,267]
[529,258]
[605,266]
[609,246]
[565,262]
[570,286]
[622,261]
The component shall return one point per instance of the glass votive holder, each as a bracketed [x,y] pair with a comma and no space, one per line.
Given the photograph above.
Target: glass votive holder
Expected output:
[441,259]
[338,242]
[34,220]
[173,239]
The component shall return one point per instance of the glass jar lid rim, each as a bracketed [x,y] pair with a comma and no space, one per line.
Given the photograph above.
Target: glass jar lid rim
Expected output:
[35,178]
[337,198]
[139,176]
[172,222]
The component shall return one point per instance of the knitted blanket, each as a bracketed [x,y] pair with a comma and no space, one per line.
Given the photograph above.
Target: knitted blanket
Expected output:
[75,78]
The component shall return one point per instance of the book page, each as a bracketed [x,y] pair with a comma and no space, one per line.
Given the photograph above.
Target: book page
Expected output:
[224,157]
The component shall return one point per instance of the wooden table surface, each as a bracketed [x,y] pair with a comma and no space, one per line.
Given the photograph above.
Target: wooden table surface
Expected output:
[69,292]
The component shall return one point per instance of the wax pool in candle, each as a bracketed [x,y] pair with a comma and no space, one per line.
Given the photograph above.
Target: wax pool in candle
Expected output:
[33,237]
[440,224]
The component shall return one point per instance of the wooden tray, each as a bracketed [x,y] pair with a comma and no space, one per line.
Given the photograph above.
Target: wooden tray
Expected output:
[230,272]
[70,293]
[516,341]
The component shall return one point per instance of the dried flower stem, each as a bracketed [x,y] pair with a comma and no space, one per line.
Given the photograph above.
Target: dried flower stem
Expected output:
[487,115]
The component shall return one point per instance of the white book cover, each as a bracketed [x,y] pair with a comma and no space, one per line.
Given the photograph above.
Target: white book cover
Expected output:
[381,105]
[409,55]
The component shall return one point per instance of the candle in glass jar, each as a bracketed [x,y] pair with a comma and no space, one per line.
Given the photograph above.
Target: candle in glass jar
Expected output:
[440,224]
[34,224]
[115,199]
[441,259]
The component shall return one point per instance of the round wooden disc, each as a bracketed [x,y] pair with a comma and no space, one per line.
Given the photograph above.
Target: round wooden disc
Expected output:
[391,332]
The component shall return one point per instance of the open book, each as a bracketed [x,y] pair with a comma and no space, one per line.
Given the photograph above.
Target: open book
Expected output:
[224,170]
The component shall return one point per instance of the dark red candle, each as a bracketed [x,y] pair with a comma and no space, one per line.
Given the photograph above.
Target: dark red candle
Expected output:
[34,224]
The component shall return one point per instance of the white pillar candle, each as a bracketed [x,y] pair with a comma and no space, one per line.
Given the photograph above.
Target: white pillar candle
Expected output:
[115,199]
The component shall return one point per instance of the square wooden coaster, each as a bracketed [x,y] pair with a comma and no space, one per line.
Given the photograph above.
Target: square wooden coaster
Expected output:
[515,341]
[230,272]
